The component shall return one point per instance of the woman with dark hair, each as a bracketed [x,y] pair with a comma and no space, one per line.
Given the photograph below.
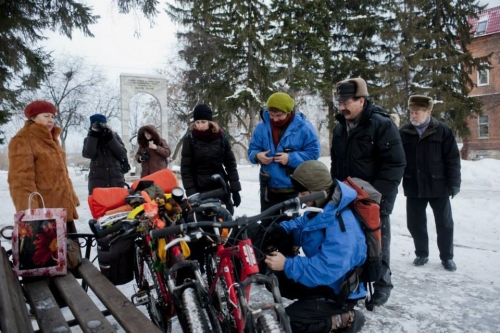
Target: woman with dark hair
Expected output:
[206,151]
[153,152]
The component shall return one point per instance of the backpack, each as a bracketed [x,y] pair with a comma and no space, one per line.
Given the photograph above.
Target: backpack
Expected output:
[366,209]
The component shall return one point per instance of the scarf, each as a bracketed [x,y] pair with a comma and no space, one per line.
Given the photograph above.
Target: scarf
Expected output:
[207,135]
[279,127]
[421,129]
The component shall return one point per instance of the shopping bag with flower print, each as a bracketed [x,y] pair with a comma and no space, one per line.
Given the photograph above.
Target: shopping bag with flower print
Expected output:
[39,241]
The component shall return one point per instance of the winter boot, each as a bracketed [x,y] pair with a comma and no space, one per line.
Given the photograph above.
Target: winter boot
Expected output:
[348,322]
[449,265]
[420,261]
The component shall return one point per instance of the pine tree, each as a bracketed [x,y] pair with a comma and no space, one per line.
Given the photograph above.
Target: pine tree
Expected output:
[228,62]
[432,58]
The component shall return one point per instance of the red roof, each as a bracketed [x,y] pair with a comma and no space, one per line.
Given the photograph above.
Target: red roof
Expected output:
[488,22]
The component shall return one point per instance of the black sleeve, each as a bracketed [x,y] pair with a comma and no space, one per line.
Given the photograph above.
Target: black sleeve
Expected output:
[188,168]
[231,166]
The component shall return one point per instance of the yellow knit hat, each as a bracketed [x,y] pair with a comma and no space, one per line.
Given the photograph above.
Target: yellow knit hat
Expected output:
[281,101]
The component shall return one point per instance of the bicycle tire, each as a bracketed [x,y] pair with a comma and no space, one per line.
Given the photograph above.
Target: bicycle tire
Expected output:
[156,309]
[196,316]
[268,323]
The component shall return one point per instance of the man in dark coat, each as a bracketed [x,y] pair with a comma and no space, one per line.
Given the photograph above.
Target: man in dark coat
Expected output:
[432,174]
[105,149]
[366,144]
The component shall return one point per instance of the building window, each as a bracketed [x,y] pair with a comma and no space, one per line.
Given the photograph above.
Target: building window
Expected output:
[483,77]
[481,28]
[484,126]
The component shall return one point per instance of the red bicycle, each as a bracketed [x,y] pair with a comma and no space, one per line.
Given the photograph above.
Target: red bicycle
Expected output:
[231,271]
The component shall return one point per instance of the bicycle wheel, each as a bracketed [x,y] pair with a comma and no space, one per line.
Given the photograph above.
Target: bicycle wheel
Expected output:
[148,283]
[267,323]
[220,296]
[196,316]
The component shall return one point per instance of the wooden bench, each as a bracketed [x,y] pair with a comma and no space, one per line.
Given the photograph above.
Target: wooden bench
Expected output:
[15,318]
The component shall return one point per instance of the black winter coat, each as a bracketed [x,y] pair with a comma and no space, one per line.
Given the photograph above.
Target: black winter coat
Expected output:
[432,161]
[206,158]
[105,166]
[372,151]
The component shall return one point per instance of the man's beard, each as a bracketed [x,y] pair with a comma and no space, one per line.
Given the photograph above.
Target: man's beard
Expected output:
[416,122]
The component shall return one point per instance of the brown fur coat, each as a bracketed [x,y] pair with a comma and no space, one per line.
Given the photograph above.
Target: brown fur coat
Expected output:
[37,163]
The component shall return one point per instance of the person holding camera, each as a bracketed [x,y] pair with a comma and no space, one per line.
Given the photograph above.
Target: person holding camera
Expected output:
[106,152]
[153,152]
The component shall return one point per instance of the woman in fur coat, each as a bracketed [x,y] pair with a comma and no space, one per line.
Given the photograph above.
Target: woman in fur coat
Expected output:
[153,152]
[37,163]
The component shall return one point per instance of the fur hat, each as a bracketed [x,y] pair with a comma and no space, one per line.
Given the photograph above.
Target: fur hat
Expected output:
[202,112]
[351,88]
[420,102]
[281,101]
[37,107]
[312,176]
[97,117]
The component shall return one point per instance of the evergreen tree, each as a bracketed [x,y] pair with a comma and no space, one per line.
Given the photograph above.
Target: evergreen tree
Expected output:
[228,61]
[22,63]
[433,58]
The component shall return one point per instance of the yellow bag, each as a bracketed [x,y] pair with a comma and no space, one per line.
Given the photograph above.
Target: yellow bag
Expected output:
[162,254]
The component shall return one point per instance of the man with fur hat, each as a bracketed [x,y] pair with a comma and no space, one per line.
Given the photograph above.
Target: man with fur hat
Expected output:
[280,142]
[366,144]
[316,279]
[106,150]
[431,176]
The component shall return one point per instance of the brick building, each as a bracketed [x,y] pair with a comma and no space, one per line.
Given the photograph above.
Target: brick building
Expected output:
[484,141]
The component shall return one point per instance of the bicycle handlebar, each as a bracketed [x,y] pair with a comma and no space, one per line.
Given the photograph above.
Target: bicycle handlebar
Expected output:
[293,203]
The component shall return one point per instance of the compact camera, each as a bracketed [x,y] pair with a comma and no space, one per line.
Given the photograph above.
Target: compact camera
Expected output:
[97,126]
[145,157]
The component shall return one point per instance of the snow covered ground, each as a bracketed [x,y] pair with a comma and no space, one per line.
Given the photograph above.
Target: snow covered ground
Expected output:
[424,299]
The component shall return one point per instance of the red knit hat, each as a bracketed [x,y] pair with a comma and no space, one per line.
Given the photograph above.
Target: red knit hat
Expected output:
[37,107]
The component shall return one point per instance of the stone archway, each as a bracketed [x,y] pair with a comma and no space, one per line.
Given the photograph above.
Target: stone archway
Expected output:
[133,84]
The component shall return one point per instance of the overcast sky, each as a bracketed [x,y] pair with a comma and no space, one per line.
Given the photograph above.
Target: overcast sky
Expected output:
[115,47]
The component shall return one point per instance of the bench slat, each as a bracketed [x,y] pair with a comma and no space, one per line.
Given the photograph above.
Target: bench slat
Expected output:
[47,312]
[87,314]
[14,317]
[130,318]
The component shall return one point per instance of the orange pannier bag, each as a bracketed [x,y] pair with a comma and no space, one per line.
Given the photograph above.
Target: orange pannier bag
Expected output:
[164,178]
[106,198]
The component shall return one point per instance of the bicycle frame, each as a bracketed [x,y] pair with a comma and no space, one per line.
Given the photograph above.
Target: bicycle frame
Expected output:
[239,289]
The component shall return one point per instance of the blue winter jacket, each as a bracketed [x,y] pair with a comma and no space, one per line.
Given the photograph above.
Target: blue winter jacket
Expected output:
[330,253]
[300,136]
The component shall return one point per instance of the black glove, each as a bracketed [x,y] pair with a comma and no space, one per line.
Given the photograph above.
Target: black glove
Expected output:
[454,191]
[94,134]
[275,235]
[236,199]
[106,134]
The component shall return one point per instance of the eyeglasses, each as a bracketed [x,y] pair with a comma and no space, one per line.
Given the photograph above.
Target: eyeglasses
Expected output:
[347,102]
[416,111]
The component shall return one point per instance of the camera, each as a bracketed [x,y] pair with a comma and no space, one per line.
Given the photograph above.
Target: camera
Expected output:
[145,157]
[97,126]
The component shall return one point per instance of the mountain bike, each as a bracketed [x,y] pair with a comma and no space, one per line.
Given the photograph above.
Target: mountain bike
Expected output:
[168,284]
[231,271]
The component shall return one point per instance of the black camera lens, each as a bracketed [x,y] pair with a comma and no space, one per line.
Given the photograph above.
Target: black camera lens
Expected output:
[96,126]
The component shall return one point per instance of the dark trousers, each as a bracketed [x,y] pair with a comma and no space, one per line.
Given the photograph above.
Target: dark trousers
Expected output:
[313,309]
[417,225]
[384,284]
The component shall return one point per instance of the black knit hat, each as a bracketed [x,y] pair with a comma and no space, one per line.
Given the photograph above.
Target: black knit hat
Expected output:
[202,112]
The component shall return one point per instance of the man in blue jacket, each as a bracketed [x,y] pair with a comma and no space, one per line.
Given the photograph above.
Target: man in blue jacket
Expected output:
[326,271]
[280,143]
